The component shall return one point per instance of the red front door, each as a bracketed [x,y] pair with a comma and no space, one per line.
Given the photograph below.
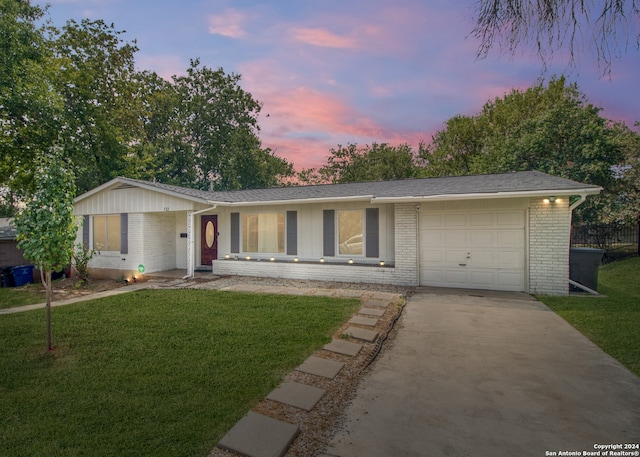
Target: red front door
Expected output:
[209,239]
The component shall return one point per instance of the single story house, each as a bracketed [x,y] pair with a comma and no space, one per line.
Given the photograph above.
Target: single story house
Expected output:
[502,232]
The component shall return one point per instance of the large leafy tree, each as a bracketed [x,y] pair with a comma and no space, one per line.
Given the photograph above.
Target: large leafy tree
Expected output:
[95,76]
[46,227]
[77,86]
[29,108]
[608,27]
[213,142]
[548,128]
[353,163]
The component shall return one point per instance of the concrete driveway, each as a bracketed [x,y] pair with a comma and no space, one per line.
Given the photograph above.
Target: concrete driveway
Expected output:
[476,373]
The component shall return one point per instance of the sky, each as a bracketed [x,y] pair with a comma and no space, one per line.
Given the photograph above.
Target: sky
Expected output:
[335,72]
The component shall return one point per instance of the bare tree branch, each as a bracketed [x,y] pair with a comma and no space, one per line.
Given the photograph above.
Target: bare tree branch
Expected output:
[550,27]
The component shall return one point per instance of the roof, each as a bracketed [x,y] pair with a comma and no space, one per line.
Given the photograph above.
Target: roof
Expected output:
[517,184]
[7,231]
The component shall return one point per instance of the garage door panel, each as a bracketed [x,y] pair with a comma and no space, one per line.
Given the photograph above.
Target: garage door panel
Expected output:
[509,280]
[455,258]
[482,279]
[455,277]
[481,219]
[430,238]
[483,238]
[479,249]
[432,256]
[431,220]
[483,259]
[510,218]
[510,238]
[455,220]
[510,259]
[455,238]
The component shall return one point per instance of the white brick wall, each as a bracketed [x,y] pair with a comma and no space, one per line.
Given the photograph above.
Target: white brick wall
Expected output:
[405,271]
[549,238]
[159,241]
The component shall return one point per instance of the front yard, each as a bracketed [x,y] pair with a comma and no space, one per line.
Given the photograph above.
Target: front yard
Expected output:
[151,373]
[611,321]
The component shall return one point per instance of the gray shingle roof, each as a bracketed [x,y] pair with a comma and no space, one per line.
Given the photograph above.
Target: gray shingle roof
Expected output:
[520,182]
[7,231]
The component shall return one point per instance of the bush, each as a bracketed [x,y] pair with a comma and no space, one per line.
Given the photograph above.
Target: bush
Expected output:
[81,257]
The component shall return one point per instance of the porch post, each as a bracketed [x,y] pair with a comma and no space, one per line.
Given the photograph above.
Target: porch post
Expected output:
[190,245]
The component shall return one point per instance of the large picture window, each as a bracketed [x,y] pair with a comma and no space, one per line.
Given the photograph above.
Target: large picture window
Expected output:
[106,233]
[263,233]
[350,232]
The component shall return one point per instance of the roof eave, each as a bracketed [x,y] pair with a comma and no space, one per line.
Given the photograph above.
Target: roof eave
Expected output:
[365,198]
[488,195]
[119,180]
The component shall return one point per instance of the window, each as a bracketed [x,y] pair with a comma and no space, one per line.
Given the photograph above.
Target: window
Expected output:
[350,232]
[263,233]
[106,233]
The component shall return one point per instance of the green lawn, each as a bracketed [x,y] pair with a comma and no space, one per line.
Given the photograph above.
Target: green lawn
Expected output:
[612,322]
[20,296]
[150,373]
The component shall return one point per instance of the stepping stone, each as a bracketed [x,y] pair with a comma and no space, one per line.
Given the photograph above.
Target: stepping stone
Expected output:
[373,303]
[343,347]
[371,311]
[297,395]
[370,321]
[321,367]
[362,334]
[256,435]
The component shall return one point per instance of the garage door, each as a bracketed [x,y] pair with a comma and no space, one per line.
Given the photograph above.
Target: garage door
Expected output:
[482,250]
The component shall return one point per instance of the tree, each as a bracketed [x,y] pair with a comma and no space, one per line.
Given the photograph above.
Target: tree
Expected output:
[378,162]
[551,26]
[28,105]
[46,227]
[551,129]
[96,78]
[214,142]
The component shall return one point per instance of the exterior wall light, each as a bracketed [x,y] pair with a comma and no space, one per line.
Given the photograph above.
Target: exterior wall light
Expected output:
[381,263]
[272,259]
[549,199]
[248,257]
[227,256]
[321,259]
[350,261]
[295,259]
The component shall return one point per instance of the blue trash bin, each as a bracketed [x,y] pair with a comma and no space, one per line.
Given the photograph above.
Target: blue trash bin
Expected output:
[22,275]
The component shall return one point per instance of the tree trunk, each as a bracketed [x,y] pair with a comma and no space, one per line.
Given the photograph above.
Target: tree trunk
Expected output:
[48,309]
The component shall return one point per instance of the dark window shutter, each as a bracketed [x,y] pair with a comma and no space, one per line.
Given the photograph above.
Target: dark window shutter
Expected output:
[124,233]
[85,230]
[235,233]
[329,232]
[292,233]
[372,231]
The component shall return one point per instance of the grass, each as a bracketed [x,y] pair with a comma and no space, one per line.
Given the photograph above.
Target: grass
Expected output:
[20,296]
[150,373]
[612,322]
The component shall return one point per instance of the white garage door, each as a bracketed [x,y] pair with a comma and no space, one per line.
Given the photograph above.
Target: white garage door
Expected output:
[481,250]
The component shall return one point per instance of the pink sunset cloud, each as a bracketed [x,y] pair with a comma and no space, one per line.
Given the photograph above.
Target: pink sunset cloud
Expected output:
[229,24]
[322,38]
